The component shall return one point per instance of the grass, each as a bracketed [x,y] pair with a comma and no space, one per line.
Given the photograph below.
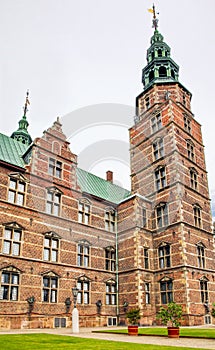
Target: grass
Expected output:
[57,342]
[189,332]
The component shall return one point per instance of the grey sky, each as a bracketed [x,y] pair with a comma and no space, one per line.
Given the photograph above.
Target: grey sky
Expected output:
[71,54]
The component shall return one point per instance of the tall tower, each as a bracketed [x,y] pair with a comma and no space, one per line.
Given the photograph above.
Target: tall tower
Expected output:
[168,168]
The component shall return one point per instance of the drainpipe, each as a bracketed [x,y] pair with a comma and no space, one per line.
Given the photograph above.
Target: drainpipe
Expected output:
[117,270]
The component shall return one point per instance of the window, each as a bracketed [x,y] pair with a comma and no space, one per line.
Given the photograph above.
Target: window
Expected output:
[187,124]
[51,247]
[197,215]
[83,254]
[144,217]
[156,122]
[12,241]
[84,291]
[162,215]
[55,168]
[147,293]
[9,285]
[190,150]
[201,255]
[84,213]
[164,256]
[193,178]
[16,193]
[50,289]
[204,290]
[160,178]
[166,291]
[158,149]
[110,221]
[147,101]
[53,202]
[146,257]
[111,293]
[110,259]
[162,72]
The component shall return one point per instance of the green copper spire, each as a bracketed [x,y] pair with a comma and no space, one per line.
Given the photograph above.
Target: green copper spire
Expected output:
[22,134]
[160,67]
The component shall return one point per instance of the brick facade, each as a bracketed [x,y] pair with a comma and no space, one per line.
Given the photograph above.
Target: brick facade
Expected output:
[151,246]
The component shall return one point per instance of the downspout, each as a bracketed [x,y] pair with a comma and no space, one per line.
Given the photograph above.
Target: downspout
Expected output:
[117,271]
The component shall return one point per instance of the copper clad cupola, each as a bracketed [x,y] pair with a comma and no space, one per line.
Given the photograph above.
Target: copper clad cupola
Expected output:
[160,66]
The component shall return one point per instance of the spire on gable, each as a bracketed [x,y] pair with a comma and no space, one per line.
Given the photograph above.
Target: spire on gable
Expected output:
[22,134]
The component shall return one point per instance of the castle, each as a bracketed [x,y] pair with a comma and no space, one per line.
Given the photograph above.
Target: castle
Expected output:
[62,227]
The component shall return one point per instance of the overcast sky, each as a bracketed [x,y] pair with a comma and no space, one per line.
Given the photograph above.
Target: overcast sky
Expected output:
[73,55]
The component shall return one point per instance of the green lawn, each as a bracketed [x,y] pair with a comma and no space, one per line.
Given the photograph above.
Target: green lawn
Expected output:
[57,342]
[191,332]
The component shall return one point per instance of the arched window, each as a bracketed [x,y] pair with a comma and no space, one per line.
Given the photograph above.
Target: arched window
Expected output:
[197,215]
[166,290]
[151,75]
[159,53]
[162,72]
[172,73]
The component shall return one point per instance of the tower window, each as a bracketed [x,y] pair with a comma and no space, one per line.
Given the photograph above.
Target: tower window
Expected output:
[9,286]
[173,73]
[147,103]
[151,75]
[158,149]
[197,215]
[187,124]
[156,123]
[162,72]
[201,255]
[159,53]
[166,292]
[204,290]
[162,215]
[193,179]
[164,256]
[190,150]
[160,178]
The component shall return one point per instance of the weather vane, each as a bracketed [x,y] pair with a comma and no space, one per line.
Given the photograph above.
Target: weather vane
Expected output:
[26,103]
[155,19]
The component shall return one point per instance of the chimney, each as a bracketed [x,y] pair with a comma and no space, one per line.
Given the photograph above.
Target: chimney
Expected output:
[109,176]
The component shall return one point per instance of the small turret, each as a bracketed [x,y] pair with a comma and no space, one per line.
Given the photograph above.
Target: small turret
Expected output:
[22,134]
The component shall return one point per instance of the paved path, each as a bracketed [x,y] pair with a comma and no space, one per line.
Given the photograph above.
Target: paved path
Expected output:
[88,333]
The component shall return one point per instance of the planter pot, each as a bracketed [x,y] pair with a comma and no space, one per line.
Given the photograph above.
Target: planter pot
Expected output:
[132,330]
[173,332]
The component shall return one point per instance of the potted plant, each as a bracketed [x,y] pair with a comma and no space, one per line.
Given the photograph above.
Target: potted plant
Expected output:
[171,316]
[133,317]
